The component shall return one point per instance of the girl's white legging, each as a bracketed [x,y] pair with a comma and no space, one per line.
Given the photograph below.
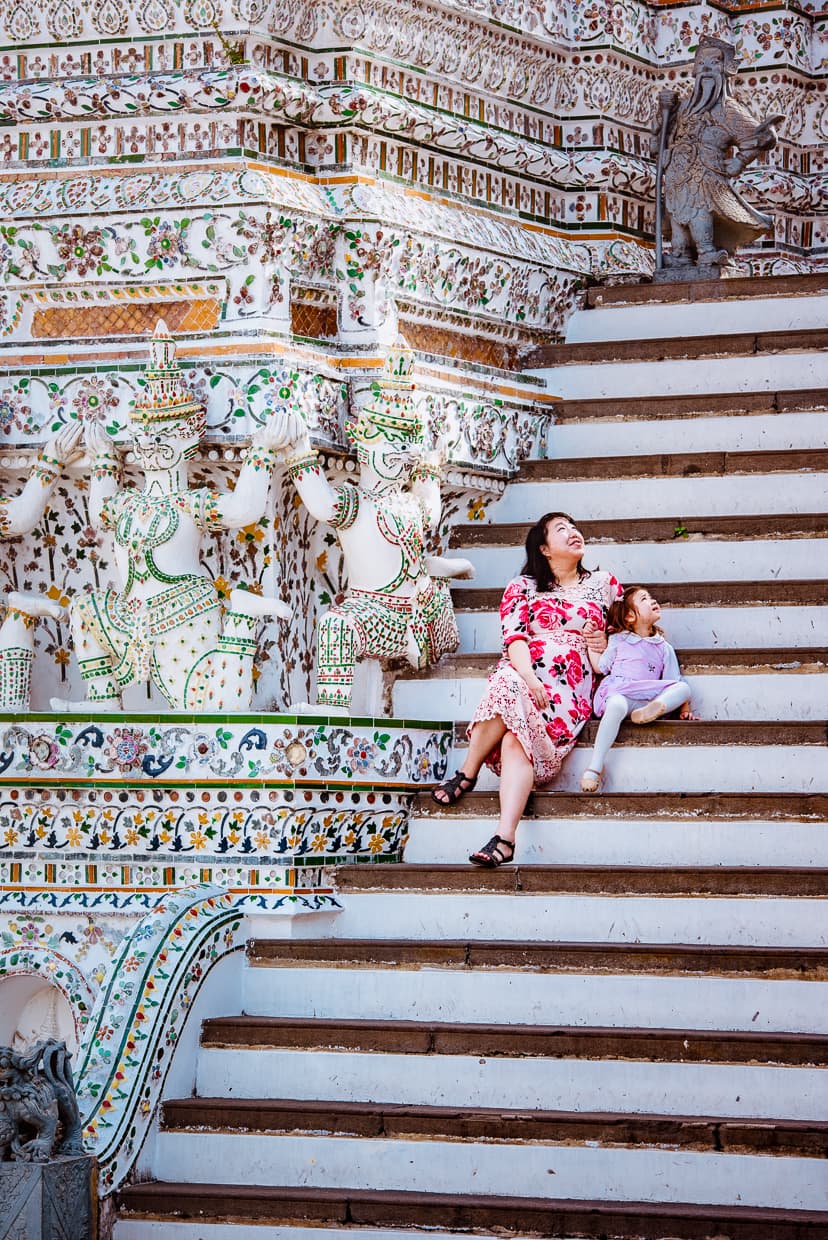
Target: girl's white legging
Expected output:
[617,709]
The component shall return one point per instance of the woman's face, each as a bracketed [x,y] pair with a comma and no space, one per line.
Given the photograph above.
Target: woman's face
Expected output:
[563,541]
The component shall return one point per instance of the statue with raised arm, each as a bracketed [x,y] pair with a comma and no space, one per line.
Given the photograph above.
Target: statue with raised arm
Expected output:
[398,600]
[702,142]
[19,515]
[164,624]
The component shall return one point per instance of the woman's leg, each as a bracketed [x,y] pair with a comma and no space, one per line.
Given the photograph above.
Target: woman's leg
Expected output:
[617,709]
[517,775]
[485,735]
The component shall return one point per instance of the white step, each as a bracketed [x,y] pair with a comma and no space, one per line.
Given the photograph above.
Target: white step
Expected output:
[571,1172]
[692,769]
[474,995]
[705,496]
[635,1086]
[760,372]
[728,433]
[691,628]
[742,695]
[796,559]
[698,318]
[627,841]
[428,916]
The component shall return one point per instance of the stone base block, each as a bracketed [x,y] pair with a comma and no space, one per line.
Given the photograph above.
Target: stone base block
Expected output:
[689,275]
[56,1200]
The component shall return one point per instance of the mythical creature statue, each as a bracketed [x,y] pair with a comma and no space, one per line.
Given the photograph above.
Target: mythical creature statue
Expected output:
[37,1094]
[398,600]
[18,516]
[702,141]
[165,622]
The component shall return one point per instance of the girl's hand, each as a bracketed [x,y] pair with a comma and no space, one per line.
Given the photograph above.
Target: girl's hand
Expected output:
[687,714]
[537,692]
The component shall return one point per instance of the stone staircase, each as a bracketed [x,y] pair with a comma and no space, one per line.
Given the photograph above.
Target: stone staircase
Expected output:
[625,1034]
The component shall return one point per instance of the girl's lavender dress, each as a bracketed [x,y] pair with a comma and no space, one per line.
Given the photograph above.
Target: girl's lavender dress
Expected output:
[637,667]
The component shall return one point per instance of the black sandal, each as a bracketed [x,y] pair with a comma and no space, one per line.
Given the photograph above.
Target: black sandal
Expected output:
[491,855]
[455,788]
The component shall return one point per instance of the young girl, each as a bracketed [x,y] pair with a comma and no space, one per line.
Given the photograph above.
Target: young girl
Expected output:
[641,675]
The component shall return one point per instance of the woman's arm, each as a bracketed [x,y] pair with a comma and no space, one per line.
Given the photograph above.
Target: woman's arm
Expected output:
[514,620]
[521,661]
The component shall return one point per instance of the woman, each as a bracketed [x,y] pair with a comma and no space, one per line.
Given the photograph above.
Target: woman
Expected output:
[540,695]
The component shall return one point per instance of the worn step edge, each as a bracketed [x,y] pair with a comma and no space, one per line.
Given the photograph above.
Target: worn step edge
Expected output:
[515,1041]
[669,348]
[370,1119]
[701,405]
[806,963]
[546,1217]
[713,733]
[675,465]
[645,292]
[686,594]
[748,881]
[716,805]
[655,529]
[796,659]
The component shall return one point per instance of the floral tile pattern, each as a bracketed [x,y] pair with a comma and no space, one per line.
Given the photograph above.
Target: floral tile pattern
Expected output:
[188,750]
[276,826]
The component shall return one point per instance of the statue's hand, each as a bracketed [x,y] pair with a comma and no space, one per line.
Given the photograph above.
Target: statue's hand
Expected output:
[283,429]
[734,166]
[436,457]
[667,99]
[766,136]
[98,443]
[65,445]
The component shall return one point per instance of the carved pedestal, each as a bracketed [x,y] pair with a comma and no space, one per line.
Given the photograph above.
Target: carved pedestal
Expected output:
[56,1200]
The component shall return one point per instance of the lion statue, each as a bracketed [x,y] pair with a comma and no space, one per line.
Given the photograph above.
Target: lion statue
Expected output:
[37,1098]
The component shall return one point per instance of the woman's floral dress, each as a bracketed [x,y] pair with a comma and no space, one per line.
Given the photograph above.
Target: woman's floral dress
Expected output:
[552,624]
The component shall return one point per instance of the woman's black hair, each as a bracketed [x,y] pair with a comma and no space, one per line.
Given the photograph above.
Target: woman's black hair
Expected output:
[537,565]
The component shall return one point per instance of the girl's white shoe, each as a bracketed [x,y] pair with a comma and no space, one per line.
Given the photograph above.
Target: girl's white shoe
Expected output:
[590,781]
[649,713]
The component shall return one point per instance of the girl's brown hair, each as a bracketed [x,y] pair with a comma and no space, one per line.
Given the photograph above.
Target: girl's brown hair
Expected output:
[618,612]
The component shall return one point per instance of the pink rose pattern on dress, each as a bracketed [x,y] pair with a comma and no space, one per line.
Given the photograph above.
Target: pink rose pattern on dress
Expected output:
[552,625]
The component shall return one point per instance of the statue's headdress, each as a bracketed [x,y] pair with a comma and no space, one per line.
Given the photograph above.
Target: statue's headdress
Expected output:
[390,414]
[708,42]
[166,398]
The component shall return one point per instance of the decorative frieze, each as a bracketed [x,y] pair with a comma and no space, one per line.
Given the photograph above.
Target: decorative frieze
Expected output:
[205,750]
